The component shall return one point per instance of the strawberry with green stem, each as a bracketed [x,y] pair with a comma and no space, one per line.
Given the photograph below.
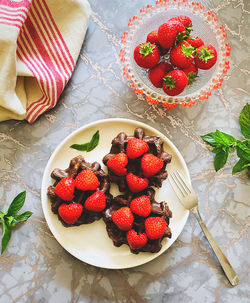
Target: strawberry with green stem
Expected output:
[182,55]
[191,72]
[146,55]
[175,82]
[206,57]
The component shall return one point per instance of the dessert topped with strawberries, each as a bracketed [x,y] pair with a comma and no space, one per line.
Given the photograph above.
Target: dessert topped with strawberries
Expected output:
[137,220]
[80,193]
[187,54]
[136,162]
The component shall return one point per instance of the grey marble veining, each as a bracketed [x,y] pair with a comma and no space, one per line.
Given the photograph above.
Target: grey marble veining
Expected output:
[35,268]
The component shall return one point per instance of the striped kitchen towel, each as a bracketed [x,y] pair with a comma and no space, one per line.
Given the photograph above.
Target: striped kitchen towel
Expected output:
[40,41]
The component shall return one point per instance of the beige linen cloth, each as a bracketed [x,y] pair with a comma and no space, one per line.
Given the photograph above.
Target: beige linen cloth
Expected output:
[40,41]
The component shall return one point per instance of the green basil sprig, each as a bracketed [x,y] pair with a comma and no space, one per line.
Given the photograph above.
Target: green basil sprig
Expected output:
[11,217]
[223,143]
[89,145]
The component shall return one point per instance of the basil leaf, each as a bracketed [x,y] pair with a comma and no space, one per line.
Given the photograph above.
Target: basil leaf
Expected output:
[16,204]
[224,139]
[23,217]
[89,146]
[209,138]
[240,165]
[6,235]
[243,151]
[220,158]
[244,121]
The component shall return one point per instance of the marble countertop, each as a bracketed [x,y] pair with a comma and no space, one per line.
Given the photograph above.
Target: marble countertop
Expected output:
[35,268]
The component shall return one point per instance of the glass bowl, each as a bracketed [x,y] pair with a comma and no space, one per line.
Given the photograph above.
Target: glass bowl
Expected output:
[205,25]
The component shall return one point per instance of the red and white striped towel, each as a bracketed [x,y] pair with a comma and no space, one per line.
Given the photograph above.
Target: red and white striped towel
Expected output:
[40,41]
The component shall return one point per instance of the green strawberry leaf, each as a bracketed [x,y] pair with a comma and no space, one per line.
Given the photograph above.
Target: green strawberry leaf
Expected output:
[16,204]
[240,165]
[244,121]
[5,236]
[89,146]
[146,49]
[220,158]
[23,217]
[187,50]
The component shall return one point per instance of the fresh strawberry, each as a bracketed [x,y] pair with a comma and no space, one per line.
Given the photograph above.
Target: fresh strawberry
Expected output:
[65,189]
[136,241]
[70,212]
[123,218]
[206,56]
[136,148]
[191,73]
[150,165]
[195,41]
[186,21]
[182,55]
[86,180]
[180,28]
[118,163]
[146,55]
[155,227]
[135,183]
[175,82]
[141,206]
[156,73]
[96,202]
[153,37]
[166,34]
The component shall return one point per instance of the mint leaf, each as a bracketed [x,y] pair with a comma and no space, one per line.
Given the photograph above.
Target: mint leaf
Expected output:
[6,235]
[209,138]
[1,214]
[89,145]
[16,204]
[240,165]
[220,158]
[243,150]
[224,139]
[23,217]
[244,121]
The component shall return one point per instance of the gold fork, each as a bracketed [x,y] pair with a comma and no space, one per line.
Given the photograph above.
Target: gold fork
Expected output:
[189,200]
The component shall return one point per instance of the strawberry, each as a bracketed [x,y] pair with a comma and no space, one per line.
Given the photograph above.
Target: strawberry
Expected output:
[150,165]
[141,206]
[156,73]
[175,82]
[180,28]
[117,164]
[136,241]
[186,21]
[166,34]
[155,227]
[182,55]
[123,218]
[96,202]
[136,148]
[65,189]
[153,37]
[146,55]
[206,56]
[135,183]
[86,180]
[191,73]
[195,41]
[70,212]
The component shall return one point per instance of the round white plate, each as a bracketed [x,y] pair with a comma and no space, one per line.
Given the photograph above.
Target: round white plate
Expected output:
[90,243]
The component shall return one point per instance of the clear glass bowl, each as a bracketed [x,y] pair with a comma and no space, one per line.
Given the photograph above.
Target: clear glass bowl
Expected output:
[205,25]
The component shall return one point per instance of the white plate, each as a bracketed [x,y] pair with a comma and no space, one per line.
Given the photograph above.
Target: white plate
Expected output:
[90,243]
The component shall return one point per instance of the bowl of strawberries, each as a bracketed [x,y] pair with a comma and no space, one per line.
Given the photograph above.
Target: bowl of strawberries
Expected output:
[175,53]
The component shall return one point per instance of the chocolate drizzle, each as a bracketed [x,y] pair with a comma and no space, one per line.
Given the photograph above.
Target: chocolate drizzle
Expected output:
[78,164]
[119,144]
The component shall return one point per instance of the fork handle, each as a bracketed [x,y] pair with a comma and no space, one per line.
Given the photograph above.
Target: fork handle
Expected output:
[226,266]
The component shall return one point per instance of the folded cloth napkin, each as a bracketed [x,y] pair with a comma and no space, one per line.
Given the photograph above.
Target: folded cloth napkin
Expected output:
[40,41]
